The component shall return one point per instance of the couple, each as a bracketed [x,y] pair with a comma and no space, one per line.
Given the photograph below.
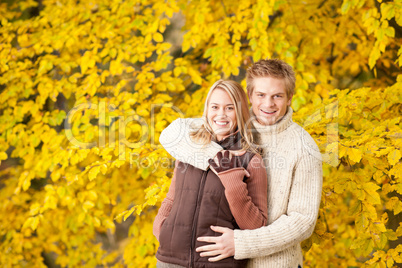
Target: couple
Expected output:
[263,214]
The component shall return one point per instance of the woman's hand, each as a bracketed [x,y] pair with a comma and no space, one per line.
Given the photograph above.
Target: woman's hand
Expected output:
[224,162]
[221,246]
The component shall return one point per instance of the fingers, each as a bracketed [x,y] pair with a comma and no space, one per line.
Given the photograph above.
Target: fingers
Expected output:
[209,239]
[208,248]
[247,174]
[219,229]
[218,258]
[210,253]
[224,161]
[221,247]
[212,163]
[238,164]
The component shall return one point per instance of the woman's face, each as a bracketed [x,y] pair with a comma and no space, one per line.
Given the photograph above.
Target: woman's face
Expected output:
[221,113]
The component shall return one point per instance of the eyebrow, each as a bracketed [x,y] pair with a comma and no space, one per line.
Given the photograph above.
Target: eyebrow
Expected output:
[223,104]
[279,93]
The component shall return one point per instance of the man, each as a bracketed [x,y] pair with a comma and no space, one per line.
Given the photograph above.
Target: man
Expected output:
[294,170]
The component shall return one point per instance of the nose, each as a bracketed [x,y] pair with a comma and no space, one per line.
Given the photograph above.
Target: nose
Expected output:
[222,112]
[270,102]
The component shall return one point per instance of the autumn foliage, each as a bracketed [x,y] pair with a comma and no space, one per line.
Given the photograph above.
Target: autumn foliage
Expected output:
[87,87]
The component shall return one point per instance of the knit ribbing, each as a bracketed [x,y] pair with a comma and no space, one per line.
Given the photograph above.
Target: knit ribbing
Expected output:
[165,208]
[250,213]
[283,124]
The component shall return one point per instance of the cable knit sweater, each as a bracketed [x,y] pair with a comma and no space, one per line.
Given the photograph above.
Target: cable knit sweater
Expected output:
[294,170]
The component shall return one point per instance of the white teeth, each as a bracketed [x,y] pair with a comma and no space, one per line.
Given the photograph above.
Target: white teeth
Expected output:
[268,112]
[221,123]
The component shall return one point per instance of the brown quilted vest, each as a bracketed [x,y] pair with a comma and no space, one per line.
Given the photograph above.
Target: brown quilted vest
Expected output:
[199,202]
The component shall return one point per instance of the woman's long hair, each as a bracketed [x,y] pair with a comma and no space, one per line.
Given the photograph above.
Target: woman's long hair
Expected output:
[204,134]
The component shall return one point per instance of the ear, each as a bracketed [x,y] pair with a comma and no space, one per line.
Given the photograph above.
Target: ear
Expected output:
[290,100]
[249,98]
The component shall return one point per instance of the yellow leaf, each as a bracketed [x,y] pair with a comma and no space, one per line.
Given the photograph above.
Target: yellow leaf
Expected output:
[93,172]
[398,188]
[394,156]
[371,193]
[128,213]
[108,224]
[26,184]
[158,37]
[3,156]
[370,211]
[81,217]
[34,223]
[354,154]
[309,77]
[88,205]
[61,191]
[28,223]
[177,71]
[34,209]
[379,226]
[362,222]
[96,222]
[103,169]
[92,195]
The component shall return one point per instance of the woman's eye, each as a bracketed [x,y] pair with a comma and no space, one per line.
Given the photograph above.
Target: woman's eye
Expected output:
[230,108]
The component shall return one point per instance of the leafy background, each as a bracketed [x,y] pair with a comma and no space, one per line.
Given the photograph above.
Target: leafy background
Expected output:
[86,87]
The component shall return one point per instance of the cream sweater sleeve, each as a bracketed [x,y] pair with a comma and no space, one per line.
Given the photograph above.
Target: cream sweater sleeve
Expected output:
[293,227]
[177,142]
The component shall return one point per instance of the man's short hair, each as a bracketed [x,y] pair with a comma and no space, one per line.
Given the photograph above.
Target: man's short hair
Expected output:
[274,68]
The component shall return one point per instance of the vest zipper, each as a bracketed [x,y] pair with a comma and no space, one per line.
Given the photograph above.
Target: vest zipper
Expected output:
[196,214]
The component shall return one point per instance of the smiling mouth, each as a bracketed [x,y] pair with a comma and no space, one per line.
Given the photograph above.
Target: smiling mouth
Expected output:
[221,123]
[266,112]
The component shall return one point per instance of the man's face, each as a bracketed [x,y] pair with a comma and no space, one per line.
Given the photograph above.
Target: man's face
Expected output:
[269,100]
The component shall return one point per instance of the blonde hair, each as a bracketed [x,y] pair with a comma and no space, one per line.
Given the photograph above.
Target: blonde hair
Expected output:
[274,68]
[204,134]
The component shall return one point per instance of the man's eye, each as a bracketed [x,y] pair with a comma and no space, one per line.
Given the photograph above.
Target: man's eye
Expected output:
[260,95]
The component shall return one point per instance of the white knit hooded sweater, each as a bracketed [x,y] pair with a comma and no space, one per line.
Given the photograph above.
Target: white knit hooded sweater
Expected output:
[294,170]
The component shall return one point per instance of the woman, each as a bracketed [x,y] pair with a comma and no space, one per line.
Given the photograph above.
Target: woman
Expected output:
[233,194]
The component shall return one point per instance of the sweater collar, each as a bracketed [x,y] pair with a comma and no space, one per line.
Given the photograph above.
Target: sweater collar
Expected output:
[276,128]
[230,140]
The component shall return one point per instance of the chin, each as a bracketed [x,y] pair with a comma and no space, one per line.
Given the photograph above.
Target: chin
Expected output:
[267,121]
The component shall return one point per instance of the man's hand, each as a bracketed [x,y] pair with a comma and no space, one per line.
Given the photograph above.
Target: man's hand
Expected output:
[221,246]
